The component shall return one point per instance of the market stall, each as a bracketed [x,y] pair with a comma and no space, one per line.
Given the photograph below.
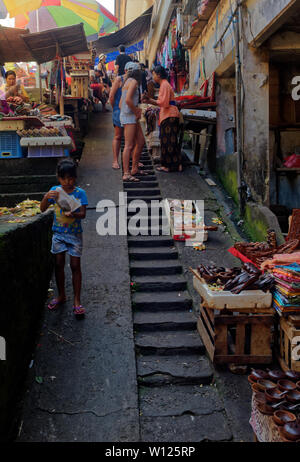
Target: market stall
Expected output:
[249,315]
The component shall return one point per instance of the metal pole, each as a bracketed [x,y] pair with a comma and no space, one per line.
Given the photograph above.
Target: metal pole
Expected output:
[238,86]
[39,66]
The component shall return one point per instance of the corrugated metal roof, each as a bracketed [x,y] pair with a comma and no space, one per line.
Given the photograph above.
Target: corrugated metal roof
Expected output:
[128,35]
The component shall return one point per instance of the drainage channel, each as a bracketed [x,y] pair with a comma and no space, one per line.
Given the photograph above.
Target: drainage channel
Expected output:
[177,401]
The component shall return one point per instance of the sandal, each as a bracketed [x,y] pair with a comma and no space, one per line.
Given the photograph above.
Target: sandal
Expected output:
[78,310]
[140,164]
[54,304]
[140,172]
[116,168]
[162,169]
[131,178]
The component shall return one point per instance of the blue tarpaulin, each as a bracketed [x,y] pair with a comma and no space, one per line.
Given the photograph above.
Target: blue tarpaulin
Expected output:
[113,55]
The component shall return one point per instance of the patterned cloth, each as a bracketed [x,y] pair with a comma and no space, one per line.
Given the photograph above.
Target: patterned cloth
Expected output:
[170,151]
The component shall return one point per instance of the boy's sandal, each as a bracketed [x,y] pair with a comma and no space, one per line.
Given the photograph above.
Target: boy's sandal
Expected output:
[78,310]
[54,304]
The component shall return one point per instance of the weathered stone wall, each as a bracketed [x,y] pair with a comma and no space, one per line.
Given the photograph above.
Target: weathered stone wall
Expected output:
[25,272]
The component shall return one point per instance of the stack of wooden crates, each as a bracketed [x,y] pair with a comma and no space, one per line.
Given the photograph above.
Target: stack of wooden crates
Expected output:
[235,329]
[80,76]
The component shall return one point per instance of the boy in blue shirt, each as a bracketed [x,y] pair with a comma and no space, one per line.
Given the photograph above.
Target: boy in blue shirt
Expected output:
[67,233]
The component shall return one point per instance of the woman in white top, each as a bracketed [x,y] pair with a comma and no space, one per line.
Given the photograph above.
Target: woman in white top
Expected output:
[130,116]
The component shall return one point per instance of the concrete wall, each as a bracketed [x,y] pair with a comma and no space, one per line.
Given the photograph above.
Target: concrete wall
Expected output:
[132,9]
[25,272]
[160,22]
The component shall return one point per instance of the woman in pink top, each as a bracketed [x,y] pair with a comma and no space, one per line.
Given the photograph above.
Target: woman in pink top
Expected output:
[168,122]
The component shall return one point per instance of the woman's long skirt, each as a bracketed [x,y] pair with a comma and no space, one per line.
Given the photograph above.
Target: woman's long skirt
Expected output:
[170,152]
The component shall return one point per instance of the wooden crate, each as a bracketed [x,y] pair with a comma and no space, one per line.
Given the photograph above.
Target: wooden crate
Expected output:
[232,337]
[80,84]
[289,343]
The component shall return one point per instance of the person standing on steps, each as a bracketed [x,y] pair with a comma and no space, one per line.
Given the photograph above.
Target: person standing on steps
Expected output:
[169,118]
[121,61]
[67,233]
[114,99]
[130,116]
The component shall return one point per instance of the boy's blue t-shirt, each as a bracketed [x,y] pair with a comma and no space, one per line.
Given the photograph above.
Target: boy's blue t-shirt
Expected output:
[68,225]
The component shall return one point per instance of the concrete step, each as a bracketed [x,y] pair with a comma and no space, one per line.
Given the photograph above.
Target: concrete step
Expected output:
[153,253]
[144,160]
[148,220]
[141,192]
[163,320]
[150,241]
[160,301]
[155,267]
[175,370]
[169,343]
[145,178]
[147,199]
[141,184]
[136,230]
[160,283]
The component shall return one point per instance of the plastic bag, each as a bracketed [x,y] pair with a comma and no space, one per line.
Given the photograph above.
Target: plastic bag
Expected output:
[66,202]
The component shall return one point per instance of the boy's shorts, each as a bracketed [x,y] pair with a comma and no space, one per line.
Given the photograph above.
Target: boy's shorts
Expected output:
[70,243]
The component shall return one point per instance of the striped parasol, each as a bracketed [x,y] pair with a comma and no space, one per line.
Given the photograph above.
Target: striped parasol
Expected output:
[50,14]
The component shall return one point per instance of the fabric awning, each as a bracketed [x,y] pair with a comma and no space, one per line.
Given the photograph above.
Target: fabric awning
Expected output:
[43,45]
[128,35]
[12,46]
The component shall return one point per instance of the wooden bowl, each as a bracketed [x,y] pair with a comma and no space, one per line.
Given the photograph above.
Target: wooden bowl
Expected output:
[257,388]
[282,435]
[286,385]
[252,379]
[293,396]
[260,398]
[283,417]
[276,374]
[292,375]
[275,395]
[265,409]
[291,430]
[266,384]
[259,374]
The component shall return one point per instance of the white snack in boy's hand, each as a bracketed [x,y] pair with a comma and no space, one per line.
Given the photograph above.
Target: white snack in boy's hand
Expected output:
[66,202]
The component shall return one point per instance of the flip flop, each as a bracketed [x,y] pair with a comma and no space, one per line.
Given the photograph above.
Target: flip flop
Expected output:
[116,168]
[54,304]
[140,164]
[131,178]
[78,310]
[140,172]
[160,169]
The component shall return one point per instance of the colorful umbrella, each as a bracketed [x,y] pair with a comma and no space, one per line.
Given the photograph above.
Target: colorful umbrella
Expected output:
[60,13]
[13,7]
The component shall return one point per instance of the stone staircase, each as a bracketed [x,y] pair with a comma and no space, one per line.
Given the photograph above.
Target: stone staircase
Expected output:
[170,355]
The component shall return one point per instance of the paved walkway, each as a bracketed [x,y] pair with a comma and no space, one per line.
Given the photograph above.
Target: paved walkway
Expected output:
[89,388]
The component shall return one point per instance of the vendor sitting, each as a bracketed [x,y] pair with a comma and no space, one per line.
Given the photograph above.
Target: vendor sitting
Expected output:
[12,89]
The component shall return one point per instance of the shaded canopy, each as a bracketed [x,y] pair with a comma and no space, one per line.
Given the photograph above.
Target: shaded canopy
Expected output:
[12,46]
[128,35]
[43,45]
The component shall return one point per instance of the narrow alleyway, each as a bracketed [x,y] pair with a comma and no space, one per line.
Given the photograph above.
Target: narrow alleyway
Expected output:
[135,369]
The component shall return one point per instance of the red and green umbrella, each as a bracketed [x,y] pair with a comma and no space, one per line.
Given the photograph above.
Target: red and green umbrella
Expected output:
[60,13]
